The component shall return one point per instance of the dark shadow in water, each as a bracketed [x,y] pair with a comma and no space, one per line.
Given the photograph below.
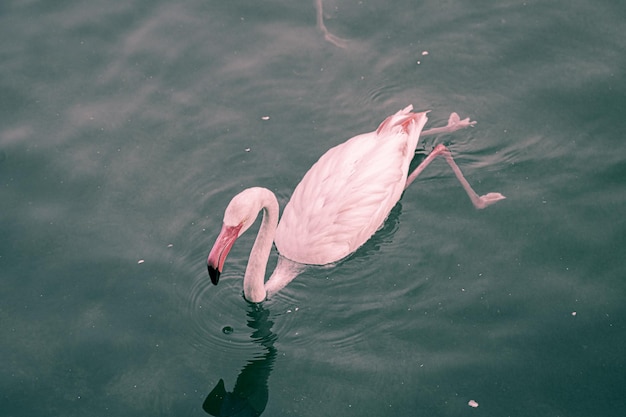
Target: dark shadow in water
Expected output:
[250,394]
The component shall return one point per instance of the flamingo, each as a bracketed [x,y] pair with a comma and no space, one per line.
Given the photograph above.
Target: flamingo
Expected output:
[340,203]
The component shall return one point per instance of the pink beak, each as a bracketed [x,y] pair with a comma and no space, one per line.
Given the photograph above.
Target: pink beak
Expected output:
[217,256]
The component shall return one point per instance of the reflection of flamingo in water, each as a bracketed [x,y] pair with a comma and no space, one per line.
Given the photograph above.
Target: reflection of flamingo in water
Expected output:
[335,40]
[250,394]
[340,203]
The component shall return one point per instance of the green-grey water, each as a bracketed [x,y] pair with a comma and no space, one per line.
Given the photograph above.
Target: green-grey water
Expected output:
[126,128]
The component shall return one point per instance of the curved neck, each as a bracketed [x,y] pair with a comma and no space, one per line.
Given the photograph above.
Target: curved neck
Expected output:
[254,278]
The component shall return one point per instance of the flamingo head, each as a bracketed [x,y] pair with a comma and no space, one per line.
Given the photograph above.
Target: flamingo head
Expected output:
[221,248]
[238,217]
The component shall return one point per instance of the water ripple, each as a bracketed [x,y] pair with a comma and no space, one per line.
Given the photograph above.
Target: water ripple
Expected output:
[217,318]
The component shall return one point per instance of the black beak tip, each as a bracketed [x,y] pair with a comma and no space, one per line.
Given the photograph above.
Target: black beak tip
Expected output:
[214,274]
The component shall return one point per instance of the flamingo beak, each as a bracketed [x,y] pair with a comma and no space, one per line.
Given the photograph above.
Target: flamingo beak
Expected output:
[217,256]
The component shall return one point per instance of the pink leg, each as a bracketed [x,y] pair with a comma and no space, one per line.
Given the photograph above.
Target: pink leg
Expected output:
[479,202]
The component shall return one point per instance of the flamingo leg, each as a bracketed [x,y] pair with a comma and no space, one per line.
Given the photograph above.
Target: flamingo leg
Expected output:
[454,123]
[479,202]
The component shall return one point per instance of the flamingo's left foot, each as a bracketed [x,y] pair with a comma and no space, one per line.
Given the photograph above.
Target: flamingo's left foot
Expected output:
[455,123]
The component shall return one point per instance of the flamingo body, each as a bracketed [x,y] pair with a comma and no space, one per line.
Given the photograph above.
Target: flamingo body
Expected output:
[348,193]
[340,203]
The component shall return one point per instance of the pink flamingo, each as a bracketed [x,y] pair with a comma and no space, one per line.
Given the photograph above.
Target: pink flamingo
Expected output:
[340,203]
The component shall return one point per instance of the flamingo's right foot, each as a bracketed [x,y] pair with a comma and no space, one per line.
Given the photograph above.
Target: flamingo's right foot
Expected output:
[487,200]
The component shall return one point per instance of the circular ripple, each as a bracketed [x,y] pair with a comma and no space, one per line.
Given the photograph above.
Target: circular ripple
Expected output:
[218,317]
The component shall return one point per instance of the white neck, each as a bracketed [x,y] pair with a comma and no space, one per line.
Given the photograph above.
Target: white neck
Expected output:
[285,271]
[254,278]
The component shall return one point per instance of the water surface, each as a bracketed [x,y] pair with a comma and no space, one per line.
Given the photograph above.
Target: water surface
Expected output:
[126,129]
